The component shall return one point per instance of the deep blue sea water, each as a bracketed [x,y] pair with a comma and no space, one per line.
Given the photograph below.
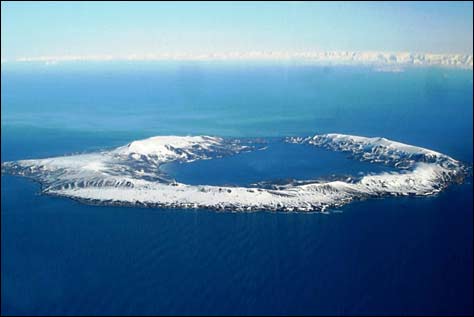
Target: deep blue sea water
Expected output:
[382,256]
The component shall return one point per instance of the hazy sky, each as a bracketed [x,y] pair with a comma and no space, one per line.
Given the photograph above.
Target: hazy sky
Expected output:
[52,28]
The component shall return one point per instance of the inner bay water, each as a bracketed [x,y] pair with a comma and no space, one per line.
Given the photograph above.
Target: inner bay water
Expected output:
[380,256]
[277,163]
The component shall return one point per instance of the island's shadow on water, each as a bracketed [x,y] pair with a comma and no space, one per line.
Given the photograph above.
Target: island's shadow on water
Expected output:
[392,255]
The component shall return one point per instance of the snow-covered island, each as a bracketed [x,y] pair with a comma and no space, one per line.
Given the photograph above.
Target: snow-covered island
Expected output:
[131,175]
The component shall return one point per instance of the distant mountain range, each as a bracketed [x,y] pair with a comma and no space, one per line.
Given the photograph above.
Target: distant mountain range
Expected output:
[383,59]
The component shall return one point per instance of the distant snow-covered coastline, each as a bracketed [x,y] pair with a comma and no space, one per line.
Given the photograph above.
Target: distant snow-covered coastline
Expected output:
[130,175]
[377,59]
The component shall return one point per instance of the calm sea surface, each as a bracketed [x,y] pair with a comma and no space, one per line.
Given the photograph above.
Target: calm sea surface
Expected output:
[381,256]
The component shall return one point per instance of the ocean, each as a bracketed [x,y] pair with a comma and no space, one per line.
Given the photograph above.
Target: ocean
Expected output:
[411,255]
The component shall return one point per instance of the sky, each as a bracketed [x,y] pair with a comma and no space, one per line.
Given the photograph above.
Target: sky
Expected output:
[32,29]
